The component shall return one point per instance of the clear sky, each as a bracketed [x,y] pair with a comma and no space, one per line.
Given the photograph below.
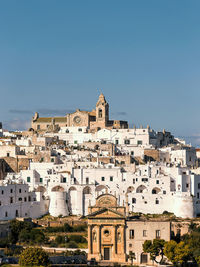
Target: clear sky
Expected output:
[145,55]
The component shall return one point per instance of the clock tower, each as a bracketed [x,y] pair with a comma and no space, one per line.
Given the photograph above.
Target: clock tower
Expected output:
[102,112]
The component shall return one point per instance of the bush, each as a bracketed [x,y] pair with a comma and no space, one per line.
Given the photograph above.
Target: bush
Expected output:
[67,228]
[79,228]
[33,257]
[61,239]
[72,244]
[78,238]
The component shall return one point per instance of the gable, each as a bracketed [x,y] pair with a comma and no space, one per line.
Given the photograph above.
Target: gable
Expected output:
[106,213]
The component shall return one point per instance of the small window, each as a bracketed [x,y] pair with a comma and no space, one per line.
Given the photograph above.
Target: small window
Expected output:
[41,180]
[19,199]
[8,154]
[20,190]
[197,195]
[25,199]
[0,203]
[87,180]
[157,233]
[157,181]
[106,232]
[198,185]
[157,201]
[64,179]
[139,142]
[2,192]
[111,178]
[6,214]
[79,129]
[29,198]
[187,185]
[133,200]
[52,159]
[164,192]
[131,234]
[102,179]
[11,200]
[133,181]
[127,142]
[116,142]
[16,213]
[144,233]
[28,179]
[38,127]
[11,191]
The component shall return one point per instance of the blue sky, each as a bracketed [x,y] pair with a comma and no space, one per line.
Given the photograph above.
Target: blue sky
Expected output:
[144,54]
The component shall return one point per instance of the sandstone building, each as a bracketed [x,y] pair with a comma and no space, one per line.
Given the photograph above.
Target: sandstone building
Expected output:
[113,235]
[93,120]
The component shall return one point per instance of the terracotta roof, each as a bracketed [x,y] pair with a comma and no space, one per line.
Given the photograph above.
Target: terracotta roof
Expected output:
[49,119]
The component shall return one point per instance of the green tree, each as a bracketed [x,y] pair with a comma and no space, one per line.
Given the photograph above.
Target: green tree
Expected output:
[33,256]
[131,256]
[155,249]
[169,250]
[182,253]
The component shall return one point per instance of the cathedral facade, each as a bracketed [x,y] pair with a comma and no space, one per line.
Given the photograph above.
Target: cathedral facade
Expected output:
[94,120]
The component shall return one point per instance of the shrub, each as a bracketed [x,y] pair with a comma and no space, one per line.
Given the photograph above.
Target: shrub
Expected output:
[33,257]
[72,244]
[78,238]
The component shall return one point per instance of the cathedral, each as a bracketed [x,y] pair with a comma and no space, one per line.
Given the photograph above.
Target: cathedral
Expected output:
[94,120]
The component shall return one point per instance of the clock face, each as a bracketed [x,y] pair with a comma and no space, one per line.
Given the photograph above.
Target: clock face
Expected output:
[77,119]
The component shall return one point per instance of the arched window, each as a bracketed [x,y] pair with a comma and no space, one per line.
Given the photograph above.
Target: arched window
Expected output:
[100,113]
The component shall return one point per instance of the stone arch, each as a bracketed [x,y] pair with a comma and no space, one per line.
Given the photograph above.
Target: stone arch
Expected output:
[101,189]
[57,188]
[130,189]
[41,189]
[72,188]
[87,190]
[155,190]
[141,189]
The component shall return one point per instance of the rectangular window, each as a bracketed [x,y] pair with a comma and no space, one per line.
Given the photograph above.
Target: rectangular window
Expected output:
[11,191]
[145,233]
[28,179]
[38,127]
[131,234]
[64,179]
[197,195]
[157,233]
[20,190]
[133,181]
[11,199]
[102,179]
[198,185]
[111,178]
[157,181]
[187,185]
[8,154]
[116,142]
[41,180]
[139,142]
[87,180]
[127,142]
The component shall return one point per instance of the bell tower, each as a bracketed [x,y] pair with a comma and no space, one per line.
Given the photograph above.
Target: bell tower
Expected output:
[102,112]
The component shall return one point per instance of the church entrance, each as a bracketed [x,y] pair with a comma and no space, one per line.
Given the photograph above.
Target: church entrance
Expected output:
[106,254]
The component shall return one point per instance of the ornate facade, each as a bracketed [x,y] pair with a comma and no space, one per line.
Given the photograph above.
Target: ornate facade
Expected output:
[113,236]
[106,230]
[93,120]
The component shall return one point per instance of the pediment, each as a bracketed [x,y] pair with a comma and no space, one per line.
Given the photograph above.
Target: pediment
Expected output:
[106,213]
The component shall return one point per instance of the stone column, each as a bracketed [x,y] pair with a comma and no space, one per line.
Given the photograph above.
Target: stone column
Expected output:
[115,240]
[99,241]
[123,238]
[90,249]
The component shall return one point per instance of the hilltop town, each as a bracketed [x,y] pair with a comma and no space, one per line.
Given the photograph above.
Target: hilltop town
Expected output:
[126,184]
